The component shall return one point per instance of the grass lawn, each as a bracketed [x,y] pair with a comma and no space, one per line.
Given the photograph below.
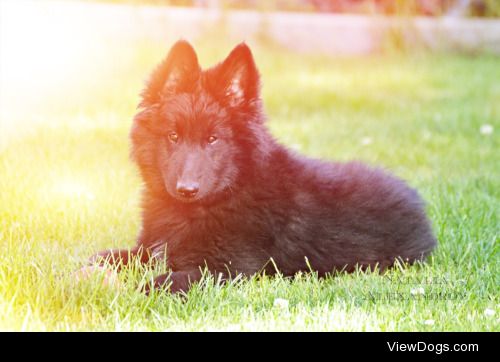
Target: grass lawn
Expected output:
[69,190]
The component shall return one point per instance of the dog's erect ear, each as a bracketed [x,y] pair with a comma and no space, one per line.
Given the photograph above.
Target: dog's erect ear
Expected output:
[178,73]
[238,77]
[182,68]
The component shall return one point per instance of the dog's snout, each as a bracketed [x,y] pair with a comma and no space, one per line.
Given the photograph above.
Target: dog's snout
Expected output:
[187,189]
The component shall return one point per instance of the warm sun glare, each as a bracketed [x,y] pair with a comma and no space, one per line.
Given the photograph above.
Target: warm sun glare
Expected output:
[72,189]
[31,57]
[46,51]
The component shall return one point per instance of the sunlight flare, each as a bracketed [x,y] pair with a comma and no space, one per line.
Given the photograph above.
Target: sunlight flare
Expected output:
[72,189]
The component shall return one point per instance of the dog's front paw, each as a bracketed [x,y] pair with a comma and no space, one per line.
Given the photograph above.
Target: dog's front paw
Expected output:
[175,282]
[108,277]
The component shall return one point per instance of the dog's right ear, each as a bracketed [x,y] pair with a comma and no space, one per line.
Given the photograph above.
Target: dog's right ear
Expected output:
[178,73]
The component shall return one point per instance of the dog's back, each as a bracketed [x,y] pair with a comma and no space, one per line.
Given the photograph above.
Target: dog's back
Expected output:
[347,214]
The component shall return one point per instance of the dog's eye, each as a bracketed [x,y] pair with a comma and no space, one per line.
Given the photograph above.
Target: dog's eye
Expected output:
[211,140]
[173,137]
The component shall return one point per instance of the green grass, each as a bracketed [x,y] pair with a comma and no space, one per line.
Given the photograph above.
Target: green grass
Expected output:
[69,190]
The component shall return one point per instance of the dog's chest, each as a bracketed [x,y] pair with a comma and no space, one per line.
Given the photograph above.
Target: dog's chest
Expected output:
[215,227]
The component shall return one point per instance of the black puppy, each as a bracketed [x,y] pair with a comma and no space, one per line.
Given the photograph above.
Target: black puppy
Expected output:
[221,193]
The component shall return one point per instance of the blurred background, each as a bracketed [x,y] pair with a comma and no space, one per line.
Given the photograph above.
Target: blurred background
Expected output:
[413,7]
[82,45]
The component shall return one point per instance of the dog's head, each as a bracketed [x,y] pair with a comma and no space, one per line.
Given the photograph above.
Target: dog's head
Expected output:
[193,133]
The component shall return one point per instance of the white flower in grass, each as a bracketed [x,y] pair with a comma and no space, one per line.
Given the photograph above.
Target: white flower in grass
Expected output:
[486,129]
[429,322]
[417,291]
[280,303]
[489,312]
[365,141]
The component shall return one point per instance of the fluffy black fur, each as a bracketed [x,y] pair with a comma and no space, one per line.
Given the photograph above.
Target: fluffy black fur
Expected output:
[221,193]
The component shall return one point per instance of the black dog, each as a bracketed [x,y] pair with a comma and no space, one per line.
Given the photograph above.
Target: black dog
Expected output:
[221,193]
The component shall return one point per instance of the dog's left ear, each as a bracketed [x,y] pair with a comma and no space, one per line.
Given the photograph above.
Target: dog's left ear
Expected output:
[238,77]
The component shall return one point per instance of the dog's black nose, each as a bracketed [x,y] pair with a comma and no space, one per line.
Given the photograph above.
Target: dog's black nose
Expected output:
[187,189]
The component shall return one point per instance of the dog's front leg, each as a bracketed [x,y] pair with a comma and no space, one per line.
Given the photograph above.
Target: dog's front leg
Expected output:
[120,257]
